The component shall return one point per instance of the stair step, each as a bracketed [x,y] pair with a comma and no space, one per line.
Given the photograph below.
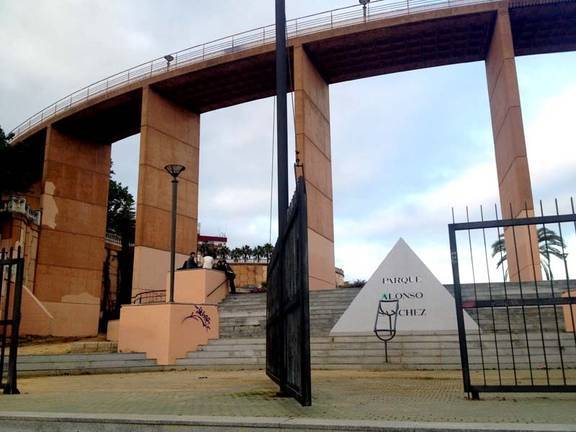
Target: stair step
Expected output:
[95,357]
[242,342]
[82,363]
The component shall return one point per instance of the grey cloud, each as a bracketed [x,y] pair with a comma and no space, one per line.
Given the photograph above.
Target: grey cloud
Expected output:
[51,48]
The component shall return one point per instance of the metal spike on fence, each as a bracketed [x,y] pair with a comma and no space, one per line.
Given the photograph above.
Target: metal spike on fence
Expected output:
[522,344]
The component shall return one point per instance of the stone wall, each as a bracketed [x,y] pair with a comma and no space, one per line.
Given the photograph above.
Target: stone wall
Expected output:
[250,274]
[255,274]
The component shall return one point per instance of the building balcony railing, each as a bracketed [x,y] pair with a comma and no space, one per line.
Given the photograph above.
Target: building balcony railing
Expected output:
[18,205]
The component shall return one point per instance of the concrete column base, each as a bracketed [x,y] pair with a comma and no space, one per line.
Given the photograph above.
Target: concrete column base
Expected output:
[167,331]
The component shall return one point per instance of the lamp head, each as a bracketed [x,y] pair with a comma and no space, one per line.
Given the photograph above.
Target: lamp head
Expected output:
[174,169]
[364,2]
[169,58]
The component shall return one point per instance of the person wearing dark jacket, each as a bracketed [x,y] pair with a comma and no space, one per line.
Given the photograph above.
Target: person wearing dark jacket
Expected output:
[191,262]
[222,265]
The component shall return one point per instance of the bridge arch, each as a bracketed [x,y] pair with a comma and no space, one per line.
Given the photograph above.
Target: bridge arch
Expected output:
[164,101]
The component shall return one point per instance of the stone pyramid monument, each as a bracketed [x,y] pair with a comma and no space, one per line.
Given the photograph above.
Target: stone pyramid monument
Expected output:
[424,304]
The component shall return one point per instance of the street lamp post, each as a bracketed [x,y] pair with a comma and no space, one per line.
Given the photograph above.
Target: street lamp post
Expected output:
[282,115]
[169,59]
[364,4]
[174,170]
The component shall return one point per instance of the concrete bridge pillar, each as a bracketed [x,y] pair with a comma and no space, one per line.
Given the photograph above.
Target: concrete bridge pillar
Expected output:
[312,106]
[510,146]
[169,134]
[71,244]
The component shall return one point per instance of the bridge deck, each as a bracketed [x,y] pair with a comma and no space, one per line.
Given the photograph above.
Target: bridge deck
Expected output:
[431,36]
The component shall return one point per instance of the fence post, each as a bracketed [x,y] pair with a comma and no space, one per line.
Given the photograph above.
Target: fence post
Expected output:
[460,312]
[4,314]
[11,385]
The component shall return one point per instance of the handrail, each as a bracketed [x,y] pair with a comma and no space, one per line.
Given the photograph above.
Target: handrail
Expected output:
[157,296]
[215,289]
[239,42]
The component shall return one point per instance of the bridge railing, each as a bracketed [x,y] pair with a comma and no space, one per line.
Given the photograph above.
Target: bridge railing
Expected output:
[336,18]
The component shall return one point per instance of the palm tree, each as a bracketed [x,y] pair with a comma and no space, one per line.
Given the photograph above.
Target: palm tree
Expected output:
[268,248]
[246,252]
[203,248]
[258,252]
[236,254]
[549,243]
[223,252]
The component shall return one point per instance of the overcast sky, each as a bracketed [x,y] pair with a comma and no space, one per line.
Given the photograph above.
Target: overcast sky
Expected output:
[406,147]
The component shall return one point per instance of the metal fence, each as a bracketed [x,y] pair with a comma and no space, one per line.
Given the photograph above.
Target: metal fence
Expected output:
[287,311]
[516,303]
[336,18]
[11,278]
[149,297]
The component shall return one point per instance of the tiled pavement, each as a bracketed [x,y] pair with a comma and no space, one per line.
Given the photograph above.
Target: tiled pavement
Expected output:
[363,395]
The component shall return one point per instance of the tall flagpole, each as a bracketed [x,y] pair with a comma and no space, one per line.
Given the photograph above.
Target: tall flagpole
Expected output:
[282,115]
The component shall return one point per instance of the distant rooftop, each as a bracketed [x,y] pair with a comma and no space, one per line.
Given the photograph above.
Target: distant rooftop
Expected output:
[211,239]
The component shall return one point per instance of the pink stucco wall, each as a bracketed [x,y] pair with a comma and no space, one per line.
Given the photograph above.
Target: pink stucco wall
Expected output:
[166,332]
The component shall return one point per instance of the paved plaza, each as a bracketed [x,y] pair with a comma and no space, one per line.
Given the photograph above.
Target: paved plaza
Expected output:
[399,396]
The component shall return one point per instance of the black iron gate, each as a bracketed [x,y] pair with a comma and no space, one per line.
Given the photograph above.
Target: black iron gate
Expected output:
[11,277]
[287,320]
[515,318]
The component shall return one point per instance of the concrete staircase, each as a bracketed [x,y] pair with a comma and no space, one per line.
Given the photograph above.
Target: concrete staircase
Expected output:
[29,365]
[243,324]
[242,342]
[244,315]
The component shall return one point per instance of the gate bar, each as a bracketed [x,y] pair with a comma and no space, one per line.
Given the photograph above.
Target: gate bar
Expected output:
[530,295]
[460,314]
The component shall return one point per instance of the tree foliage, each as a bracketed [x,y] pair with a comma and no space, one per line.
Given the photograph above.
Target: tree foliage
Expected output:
[19,165]
[121,217]
[358,283]
[5,139]
[246,253]
[268,249]
[121,220]
[550,245]
[223,252]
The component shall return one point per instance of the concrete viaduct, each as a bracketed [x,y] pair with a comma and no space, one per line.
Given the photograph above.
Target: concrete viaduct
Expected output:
[163,101]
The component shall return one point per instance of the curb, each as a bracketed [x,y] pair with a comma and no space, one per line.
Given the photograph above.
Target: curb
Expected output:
[48,422]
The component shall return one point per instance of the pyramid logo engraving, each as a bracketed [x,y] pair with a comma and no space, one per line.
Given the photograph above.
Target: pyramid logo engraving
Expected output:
[424,304]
